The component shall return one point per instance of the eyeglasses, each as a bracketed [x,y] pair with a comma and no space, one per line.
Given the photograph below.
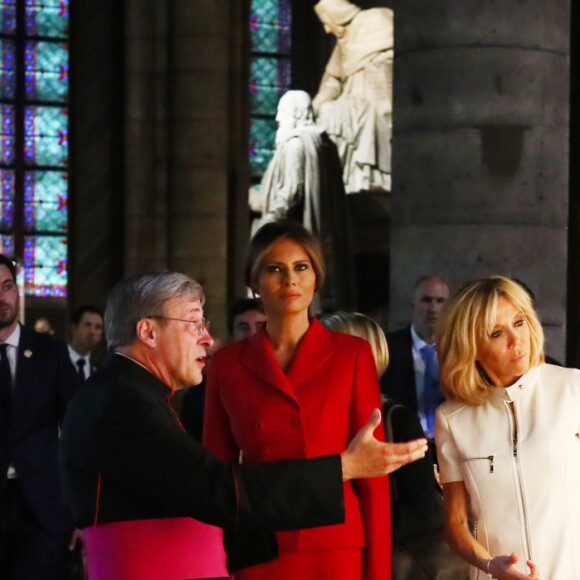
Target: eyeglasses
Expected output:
[200,326]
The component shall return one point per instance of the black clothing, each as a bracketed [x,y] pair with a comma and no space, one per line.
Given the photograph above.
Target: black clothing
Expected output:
[398,382]
[121,435]
[34,524]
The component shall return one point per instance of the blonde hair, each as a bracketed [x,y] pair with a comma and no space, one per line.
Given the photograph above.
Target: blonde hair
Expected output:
[465,325]
[357,324]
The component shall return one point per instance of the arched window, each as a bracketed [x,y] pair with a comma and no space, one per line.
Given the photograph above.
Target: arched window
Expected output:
[34,154]
[270,76]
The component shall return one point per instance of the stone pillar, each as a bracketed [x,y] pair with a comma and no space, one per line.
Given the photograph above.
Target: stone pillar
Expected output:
[146,139]
[198,125]
[95,203]
[183,142]
[480,151]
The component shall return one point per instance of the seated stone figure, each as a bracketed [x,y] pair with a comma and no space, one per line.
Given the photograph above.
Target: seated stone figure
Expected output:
[303,183]
[354,101]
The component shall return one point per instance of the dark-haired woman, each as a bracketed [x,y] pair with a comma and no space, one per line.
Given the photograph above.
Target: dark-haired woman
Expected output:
[297,390]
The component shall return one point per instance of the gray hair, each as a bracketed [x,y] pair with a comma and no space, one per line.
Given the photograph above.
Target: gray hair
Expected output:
[141,296]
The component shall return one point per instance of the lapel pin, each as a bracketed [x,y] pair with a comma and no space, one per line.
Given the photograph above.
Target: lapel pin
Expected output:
[27,353]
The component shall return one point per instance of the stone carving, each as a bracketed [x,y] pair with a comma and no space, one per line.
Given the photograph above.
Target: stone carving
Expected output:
[354,101]
[303,183]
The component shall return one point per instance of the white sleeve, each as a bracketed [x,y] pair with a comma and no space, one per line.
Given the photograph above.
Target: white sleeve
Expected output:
[450,462]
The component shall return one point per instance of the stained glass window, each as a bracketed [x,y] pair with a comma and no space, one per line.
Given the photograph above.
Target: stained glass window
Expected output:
[8,135]
[8,59]
[7,199]
[45,136]
[8,17]
[7,245]
[34,90]
[45,265]
[48,18]
[45,201]
[270,75]
[46,71]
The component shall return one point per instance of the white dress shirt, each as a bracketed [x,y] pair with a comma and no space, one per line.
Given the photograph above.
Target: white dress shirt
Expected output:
[75,357]
[419,364]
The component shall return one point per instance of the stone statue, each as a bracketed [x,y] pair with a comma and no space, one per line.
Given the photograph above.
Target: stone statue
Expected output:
[303,182]
[354,101]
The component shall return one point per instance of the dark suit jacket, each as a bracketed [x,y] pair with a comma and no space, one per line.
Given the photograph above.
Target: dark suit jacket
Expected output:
[95,365]
[45,383]
[415,499]
[122,427]
[398,382]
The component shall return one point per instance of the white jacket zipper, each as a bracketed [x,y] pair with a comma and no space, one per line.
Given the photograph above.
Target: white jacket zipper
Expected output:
[515,442]
[489,458]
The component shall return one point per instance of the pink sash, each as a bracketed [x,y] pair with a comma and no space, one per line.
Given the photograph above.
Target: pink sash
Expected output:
[163,549]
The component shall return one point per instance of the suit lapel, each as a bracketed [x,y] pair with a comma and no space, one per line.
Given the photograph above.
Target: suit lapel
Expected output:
[316,347]
[258,357]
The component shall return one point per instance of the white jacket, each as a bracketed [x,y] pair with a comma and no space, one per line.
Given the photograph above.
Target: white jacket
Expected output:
[522,476]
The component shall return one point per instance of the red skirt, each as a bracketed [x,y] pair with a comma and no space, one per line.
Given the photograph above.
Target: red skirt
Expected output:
[309,565]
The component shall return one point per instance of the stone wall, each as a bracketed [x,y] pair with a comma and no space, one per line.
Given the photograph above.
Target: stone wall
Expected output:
[480,148]
[183,142]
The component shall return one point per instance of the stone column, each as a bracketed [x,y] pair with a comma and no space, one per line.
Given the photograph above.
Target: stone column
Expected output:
[146,136]
[183,143]
[96,178]
[480,151]
[198,125]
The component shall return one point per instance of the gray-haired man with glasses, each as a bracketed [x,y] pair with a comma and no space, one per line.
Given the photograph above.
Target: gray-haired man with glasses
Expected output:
[130,471]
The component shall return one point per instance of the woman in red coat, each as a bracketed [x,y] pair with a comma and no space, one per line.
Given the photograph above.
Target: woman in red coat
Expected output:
[297,390]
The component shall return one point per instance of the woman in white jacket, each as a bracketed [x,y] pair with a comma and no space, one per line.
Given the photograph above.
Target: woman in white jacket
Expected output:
[508,438]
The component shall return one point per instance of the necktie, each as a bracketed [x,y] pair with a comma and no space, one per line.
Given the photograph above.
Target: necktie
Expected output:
[5,382]
[431,391]
[81,368]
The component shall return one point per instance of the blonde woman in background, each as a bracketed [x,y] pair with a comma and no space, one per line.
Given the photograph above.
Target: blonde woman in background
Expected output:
[357,324]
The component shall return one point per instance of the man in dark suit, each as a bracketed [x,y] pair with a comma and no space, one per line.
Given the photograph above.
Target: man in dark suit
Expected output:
[128,466]
[37,381]
[86,336]
[412,378]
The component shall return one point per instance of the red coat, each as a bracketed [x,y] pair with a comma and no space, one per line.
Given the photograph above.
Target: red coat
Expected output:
[315,409]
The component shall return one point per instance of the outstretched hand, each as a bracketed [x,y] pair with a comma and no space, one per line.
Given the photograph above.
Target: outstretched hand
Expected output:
[504,568]
[365,456]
